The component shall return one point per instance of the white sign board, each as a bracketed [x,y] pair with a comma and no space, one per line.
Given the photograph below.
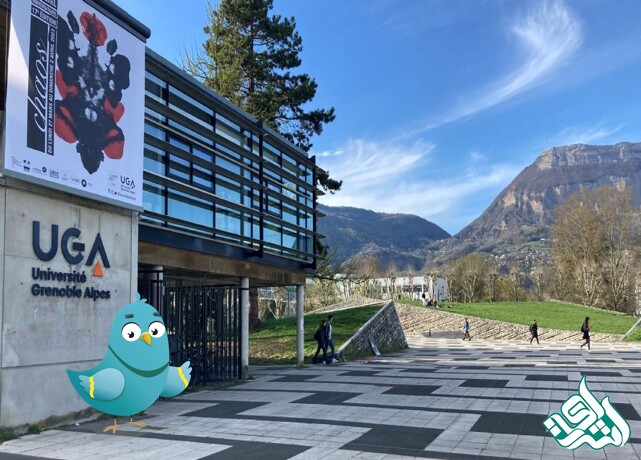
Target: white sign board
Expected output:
[75,101]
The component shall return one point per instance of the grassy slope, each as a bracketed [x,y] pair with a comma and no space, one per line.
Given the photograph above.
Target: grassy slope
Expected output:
[275,341]
[553,315]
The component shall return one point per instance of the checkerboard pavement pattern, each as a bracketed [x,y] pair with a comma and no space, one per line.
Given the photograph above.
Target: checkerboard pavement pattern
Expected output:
[441,399]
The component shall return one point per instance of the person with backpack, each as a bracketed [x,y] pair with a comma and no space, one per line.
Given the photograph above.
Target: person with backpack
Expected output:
[534,330]
[321,337]
[329,343]
[585,328]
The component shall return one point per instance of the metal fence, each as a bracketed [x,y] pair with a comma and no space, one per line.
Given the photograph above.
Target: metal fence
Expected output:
[202,321]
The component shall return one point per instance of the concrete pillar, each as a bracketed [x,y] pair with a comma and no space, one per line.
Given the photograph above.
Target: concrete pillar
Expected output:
[300,325]
[134,255]
[244,326]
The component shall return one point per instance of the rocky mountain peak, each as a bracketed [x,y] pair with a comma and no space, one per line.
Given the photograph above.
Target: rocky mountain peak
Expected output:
[520,216]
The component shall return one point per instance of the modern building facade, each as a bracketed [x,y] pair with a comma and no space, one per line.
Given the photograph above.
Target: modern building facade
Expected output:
[228,205]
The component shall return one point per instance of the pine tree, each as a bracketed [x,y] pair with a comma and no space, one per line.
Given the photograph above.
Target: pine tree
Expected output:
[249,58]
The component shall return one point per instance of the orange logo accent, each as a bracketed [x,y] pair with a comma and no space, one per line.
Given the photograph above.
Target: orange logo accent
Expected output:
[97,271]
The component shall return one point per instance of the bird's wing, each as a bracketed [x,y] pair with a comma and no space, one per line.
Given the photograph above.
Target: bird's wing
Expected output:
[177,380]
[104,385]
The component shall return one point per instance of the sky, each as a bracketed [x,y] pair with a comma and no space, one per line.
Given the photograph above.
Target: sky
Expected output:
[441,103]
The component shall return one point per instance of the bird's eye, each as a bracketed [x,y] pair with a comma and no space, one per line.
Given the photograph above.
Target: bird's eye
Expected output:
[131,332]
[157,329]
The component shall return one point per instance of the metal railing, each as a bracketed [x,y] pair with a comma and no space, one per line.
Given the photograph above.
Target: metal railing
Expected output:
[202,321]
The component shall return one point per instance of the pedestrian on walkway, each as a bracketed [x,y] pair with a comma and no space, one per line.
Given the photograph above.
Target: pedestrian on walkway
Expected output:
[534,330]
[585,328]
[320,336]
[466,328]
[330,342]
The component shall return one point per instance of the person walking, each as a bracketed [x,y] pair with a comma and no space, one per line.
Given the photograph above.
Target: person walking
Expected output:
[330,342]
[534,330]
[466,328]
[585,328]
[320,337]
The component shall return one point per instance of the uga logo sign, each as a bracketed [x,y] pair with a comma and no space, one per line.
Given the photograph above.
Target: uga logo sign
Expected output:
[72,251]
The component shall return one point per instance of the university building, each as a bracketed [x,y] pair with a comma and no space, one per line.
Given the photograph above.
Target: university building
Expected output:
[122,174]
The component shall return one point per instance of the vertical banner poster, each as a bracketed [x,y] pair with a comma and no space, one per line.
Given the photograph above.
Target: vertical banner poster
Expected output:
[75,101]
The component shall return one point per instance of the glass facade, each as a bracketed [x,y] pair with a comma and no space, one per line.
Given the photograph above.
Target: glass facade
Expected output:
[212,171]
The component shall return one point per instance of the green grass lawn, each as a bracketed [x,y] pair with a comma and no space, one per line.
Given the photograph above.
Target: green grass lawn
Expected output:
[552,315]
[275,341]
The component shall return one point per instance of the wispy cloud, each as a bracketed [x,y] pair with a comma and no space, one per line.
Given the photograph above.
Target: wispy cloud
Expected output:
[367,164]
[329,153]
[399,178]
[400,17]
[586,135]
[548,36]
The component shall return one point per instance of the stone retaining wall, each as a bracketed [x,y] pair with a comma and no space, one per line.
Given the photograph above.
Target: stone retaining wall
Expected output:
[384,329]
[417,321]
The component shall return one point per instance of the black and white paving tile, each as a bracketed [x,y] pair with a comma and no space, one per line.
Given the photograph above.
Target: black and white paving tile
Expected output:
[441,399]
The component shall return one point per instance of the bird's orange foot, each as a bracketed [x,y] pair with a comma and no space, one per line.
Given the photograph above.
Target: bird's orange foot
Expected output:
[111,427]
[140,424]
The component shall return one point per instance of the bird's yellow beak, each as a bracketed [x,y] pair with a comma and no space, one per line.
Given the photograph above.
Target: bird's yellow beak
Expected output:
[145,337]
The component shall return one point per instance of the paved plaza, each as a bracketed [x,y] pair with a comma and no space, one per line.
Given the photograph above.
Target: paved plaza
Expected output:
[442,399]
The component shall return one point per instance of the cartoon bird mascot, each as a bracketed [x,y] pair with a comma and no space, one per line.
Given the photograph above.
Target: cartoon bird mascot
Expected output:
[135,370]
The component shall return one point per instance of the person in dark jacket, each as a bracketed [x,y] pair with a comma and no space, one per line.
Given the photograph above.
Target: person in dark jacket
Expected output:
[585,328]
[534,330]
[329,343]
[321,338]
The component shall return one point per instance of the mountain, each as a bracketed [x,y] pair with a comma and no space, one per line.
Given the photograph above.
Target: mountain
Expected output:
[517,222]
[391,238]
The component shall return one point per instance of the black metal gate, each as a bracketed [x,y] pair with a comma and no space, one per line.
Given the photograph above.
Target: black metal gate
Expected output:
[202,321]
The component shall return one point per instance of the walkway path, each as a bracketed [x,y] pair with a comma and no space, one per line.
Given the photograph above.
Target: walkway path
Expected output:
[445,399]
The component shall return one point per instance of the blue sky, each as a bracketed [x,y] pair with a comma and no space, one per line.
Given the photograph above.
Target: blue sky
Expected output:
[441,103]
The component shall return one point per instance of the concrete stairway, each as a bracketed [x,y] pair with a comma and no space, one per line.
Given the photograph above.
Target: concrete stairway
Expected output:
[417,321]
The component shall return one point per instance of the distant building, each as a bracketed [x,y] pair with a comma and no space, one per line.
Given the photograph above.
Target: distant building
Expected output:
[434,287]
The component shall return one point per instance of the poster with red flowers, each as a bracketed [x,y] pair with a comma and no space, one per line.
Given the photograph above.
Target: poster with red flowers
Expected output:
[75,101]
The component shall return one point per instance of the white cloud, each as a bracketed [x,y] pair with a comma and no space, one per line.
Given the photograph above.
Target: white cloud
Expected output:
[548,36]
[329,153]
[585,135]
[396,178]
[367,164]
[477,157]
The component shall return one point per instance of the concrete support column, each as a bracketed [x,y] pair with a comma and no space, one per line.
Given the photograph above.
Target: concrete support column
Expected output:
[244,326]
[134,256]
[300,325]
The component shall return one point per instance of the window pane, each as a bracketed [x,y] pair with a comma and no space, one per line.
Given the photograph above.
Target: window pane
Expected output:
[154,160]
[154,87]
[190,133]
[155,131]
[227,190]
[290,239]
[273,206]
[155,115]
[227,220]
[229,130]
[272,233]
[153,197]
[200,153]
[289,214]
[271,154]
[203,177]
[190,107]
[228,165]
[190,209]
